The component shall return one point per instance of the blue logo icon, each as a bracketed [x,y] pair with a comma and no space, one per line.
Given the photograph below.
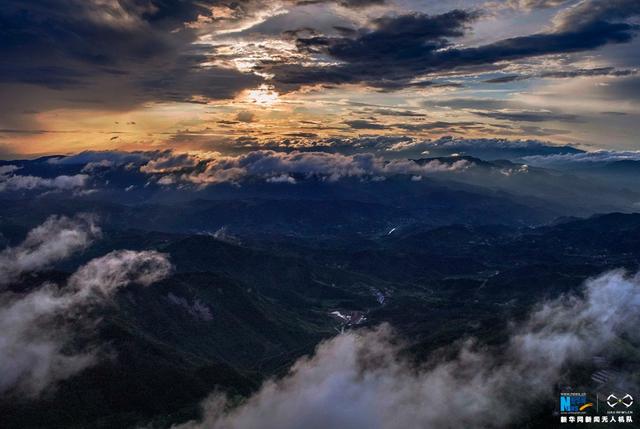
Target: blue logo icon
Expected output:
[574,403]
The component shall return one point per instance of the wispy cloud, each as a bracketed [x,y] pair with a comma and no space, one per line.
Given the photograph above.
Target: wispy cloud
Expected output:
[56,239]
[37,328]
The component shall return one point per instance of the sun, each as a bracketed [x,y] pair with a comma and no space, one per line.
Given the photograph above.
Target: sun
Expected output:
[264,95]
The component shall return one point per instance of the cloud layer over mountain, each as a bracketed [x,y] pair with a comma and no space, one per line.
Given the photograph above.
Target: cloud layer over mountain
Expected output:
[363,379]
[270,165]
[10,181]
[56,239]
[38,327]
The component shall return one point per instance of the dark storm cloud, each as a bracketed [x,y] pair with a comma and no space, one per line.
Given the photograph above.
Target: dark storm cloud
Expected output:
[384,54]
[395,50]
[117,53]
[400,38]
[563,74]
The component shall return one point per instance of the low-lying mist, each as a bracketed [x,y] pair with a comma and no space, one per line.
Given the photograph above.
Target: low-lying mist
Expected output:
[362,379]
[38,326]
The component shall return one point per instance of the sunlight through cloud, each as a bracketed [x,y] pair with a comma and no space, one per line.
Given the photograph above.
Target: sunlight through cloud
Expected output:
[264,95]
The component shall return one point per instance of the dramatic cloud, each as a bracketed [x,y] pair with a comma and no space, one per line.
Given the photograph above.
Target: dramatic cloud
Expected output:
[297,158]
[277,167]
[73,68]
[397,50]
[362,379]
[124,53]
[111,54]
[37,328]
[9,181]
[148,58]
[56,239]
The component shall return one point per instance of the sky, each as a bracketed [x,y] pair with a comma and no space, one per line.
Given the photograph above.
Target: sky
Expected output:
[233,76]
